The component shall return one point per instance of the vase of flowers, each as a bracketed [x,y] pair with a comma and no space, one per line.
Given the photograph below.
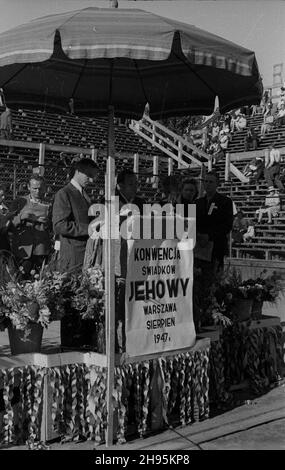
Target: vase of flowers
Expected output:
[242,308]
[25,341]
[256,311]
[27,306]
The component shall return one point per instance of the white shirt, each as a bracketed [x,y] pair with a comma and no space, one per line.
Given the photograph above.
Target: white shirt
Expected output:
[76,185]
[273,157]
[281,113]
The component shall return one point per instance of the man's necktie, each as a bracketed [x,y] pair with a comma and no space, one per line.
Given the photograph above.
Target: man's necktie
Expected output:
[86,197]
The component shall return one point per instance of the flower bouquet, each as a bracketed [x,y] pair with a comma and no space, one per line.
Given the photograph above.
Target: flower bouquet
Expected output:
[29,305]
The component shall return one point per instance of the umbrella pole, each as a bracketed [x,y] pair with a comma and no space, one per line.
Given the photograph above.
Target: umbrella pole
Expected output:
[109,277]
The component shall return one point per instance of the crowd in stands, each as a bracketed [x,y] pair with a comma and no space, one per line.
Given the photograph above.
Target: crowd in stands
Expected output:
[213,135]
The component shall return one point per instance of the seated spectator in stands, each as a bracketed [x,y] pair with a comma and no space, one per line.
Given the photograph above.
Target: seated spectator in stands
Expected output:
[250,233]
[224,140]
[281,98]
[266,126]
[272,168]
[6,126]
[254,169]
[241,122]
[205,138]
[216,151]
[253,110]
[240,226]
[226,128]
[280,116]
[268,109]
[234,118]
[259,172]
[32,229]
[271,205]
[264,100]
[227,121]
[250,168]
[238,123]
[71,105]
[282,176]
[215,131]
[250,140]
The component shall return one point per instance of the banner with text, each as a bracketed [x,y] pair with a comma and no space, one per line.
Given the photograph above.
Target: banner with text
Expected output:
[159,314]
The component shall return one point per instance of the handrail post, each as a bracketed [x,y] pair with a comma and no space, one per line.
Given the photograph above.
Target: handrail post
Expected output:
[153,132]
[42,159]
[210,163]
[170,166]
[155,171]
[227,166]
[180,154]
[94,154]
[136,162]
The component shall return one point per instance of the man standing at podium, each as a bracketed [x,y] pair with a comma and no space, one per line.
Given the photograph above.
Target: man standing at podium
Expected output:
[70,216]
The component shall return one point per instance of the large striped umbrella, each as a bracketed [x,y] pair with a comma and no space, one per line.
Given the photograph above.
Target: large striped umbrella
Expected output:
[126,58]
[118,60]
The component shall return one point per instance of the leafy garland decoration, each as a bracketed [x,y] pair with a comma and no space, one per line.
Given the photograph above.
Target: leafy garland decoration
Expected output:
[205,382]
[87,381]
[80,399]
[182,414]
[146,397]
[20,405]
[55,392]
[117,395]
[217,383]
[136,371]
[255,349]
[188,387]
[166,385]
[60,394]
[28,399]
[38,378]
[171,364]
[68,403]
[8,417]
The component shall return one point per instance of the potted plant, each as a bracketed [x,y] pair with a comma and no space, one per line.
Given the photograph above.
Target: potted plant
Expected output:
[235,294]
[265,288]
[236,299]
[27,306]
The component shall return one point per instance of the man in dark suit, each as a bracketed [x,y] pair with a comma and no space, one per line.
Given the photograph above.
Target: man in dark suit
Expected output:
[70,216]
[214,214]
[214,219]
[70,224]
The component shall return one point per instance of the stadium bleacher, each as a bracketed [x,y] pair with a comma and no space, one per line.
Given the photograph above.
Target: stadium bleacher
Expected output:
[86,132]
